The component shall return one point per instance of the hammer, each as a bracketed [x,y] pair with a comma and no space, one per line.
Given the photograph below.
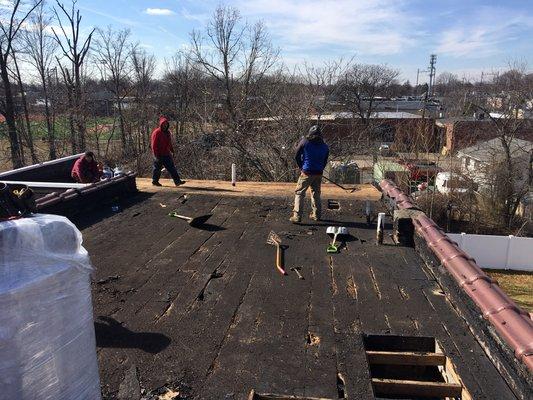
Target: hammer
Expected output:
[296,269]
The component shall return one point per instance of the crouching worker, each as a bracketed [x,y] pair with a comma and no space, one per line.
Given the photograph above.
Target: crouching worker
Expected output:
[311,156]
[162,150]
[86,169]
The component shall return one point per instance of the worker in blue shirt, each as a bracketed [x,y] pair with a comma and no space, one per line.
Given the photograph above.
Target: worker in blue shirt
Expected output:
[311,156]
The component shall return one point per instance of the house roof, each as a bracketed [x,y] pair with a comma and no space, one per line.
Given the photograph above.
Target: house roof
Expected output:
[493,149]
[350,115]
[389,165]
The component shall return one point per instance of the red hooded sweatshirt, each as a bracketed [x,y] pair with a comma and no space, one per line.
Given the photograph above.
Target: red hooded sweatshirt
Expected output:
[161,141]
[84,171]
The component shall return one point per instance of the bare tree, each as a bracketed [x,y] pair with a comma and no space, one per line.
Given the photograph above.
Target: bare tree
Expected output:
[26,131]
[10,27]
[322,83]
[364,87]
[238,56]
[181,84]
[40,48]
[75,49]
[361,90]
[114,56]
[143,75]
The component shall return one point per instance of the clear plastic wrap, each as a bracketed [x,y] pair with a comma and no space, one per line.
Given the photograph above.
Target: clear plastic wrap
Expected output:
[47,342]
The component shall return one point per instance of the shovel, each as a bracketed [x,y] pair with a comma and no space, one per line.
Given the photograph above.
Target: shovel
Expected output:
[335,231]
[195,222]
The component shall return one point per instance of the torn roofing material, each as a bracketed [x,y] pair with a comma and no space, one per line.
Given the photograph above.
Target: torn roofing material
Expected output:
[222,319]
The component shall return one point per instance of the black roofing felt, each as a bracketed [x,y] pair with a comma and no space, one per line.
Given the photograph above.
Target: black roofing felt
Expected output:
[205,311]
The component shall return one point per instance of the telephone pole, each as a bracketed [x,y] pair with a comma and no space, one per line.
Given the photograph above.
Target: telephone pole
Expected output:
[418,71]
[432,63]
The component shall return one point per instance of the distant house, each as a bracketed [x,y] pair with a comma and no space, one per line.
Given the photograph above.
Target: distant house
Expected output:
[482,161]
[407,174]
[402,131]
[462,132]
[392,170]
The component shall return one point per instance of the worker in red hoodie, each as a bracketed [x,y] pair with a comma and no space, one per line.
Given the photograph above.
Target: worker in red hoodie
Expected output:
[162,150]
[86,169]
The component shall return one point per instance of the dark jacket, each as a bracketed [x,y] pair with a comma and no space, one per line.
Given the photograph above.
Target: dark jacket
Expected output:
[161,141]
[312,155]
[84,171]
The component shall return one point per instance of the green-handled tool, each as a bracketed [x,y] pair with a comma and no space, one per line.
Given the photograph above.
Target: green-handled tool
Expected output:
[335,231]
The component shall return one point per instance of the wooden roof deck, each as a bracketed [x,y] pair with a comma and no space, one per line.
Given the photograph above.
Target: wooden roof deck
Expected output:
[205,312]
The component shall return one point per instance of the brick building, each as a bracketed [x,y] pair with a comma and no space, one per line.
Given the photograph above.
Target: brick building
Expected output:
[459,133]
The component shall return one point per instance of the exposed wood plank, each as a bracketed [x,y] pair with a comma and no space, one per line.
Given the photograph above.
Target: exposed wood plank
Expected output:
[405,358]
[451,375]
[395,387]
[267,396]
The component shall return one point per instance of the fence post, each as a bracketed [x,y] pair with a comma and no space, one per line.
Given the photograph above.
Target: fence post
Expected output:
[462,242]
[508,254]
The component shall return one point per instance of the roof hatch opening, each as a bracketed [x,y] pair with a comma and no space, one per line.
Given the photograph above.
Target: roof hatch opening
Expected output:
[411,367]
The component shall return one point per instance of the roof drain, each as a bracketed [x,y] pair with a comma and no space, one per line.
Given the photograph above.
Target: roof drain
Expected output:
[333,204]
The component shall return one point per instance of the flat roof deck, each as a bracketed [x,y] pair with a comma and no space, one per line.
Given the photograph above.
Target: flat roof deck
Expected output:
[206,313]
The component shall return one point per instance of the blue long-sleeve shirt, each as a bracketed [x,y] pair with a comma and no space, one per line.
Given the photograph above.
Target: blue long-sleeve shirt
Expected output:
[312,156]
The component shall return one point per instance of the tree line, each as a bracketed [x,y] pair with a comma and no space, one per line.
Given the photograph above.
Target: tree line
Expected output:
[58,74]
[230,97]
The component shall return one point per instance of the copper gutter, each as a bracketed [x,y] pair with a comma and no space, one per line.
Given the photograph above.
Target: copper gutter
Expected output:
[513,324]
[400,198]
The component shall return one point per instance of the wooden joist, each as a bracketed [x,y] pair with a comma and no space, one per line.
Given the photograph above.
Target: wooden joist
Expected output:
[258,396]
[398,387]
[405,358]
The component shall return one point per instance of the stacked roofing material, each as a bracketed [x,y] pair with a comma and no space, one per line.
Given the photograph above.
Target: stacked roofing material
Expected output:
[66,197]
[52,199]
[513,324]
[47,337]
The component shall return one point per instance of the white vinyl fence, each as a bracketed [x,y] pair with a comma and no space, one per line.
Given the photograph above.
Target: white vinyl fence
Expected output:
[497,252]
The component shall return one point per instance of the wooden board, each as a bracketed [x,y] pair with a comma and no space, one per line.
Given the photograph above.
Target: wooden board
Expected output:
[395,387]
[405,358]
[268,396]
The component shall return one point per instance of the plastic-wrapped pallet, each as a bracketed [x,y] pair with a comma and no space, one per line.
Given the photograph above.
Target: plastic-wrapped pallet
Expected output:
[47,342]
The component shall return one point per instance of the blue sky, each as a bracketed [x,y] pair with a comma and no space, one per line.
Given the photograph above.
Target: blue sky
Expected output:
[468,36]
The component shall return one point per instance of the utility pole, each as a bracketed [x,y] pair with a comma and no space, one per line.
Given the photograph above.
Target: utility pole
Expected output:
[418,71]
[432,62]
